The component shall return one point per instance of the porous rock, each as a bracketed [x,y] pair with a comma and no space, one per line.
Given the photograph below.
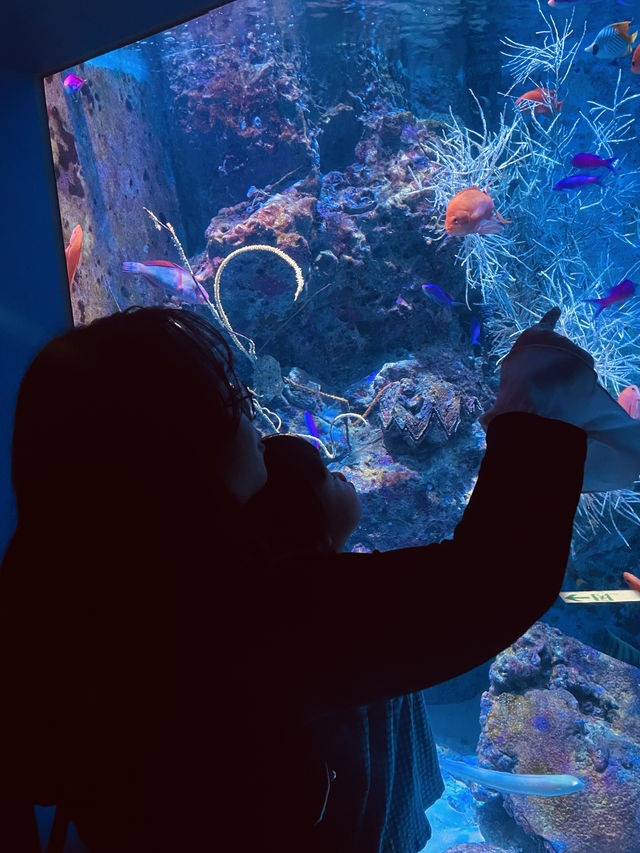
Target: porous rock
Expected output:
[556,705]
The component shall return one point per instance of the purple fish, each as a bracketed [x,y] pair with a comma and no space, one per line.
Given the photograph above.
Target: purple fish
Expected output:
[592,161]
[619,293]
[577,182]
[311,426]
[72,82]
[435,292]
[475,331]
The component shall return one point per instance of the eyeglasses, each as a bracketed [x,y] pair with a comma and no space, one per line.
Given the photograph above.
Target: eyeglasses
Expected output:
[245,398]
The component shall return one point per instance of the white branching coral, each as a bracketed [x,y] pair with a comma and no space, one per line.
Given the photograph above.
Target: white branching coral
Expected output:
[468,157]
[561,248]
[552,60]
[607,510]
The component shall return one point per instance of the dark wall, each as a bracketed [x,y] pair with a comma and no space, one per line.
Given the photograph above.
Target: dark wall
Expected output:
[40,37]
[33,306]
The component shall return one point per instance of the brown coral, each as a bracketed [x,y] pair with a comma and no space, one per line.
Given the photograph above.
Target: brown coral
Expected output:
[284,220]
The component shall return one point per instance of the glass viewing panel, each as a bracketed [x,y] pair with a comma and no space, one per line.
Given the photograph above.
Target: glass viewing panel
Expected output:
[301,173]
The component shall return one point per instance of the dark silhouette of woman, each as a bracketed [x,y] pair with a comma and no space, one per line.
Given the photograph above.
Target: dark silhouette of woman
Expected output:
[158,665]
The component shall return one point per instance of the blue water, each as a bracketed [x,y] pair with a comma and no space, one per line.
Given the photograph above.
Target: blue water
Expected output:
[338,133]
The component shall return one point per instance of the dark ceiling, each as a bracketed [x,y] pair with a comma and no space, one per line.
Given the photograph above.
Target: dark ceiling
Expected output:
[43,36]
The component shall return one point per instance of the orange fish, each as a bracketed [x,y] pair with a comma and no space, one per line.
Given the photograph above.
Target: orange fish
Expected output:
[471,211]
[545,100]
[73,252]
[635,61]
[629,399]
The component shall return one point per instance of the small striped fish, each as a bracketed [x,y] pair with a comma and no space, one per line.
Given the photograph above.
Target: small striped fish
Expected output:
[613,41]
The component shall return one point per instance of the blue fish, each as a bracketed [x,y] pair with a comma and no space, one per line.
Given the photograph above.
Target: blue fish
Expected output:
[577,182]
[311,426]
[475,332]
[435,292]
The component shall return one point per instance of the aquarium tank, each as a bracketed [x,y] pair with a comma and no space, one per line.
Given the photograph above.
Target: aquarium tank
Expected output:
[372,200]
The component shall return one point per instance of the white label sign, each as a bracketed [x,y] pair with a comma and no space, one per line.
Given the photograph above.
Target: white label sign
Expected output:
[599,596]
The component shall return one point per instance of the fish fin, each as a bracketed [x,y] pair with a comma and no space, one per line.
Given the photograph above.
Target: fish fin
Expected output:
[448,239]
[165,264]
[502,219]
[597,302]
[202,292]
[621,28]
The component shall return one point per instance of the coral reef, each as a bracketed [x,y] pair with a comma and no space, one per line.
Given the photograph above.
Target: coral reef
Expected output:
[556,705]
[285,220]
[434,486]
[239,111]
[361,289]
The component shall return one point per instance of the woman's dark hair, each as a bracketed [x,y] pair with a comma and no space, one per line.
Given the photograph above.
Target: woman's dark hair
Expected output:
[288,511]
[114,416]
[125,547]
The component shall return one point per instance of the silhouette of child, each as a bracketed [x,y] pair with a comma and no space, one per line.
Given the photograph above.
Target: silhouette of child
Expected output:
[381,761]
